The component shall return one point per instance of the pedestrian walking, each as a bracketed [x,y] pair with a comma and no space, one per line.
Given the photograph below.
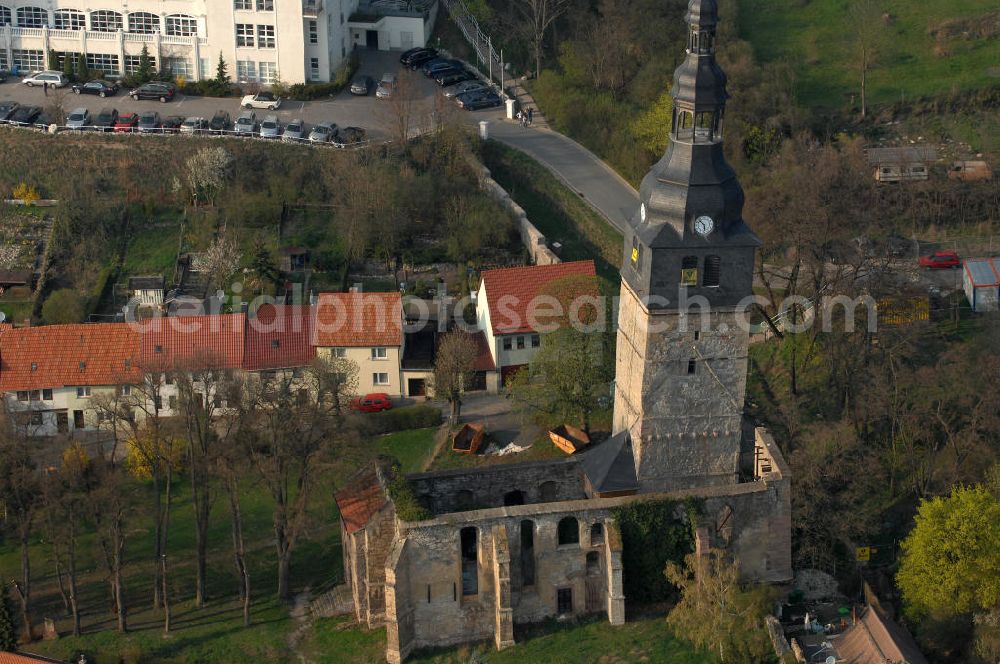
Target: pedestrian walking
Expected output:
[518,116]
[531,116]
[45,87]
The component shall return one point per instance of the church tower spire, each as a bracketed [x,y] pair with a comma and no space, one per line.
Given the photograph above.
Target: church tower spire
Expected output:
[681,372]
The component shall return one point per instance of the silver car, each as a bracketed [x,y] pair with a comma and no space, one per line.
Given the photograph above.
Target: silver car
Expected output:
[270,127]
[323,133]
[465,86]
[78,119]
[246,124]
[194,125]
[294,131]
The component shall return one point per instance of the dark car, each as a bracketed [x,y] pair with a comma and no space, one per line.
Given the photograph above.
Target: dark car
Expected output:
[349,136]
[438,65]
[220,122]
[25,115]
[148,122]
[451,78]
[362,85]
[406,57]
[473,101]
[3,75]
[7,109]
[157,90]
[172,124]
[106,119]
[97,87]
[422,58]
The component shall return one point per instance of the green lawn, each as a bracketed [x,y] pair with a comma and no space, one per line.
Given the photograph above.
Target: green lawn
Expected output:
[152,249]
[818,40]
[411,448]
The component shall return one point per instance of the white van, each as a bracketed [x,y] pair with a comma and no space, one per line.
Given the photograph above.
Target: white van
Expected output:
[386,86]
[55,79]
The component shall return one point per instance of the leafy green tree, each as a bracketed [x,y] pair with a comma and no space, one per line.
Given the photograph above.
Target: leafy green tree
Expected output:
[716,612]
[67,67]
[652,128]
[145,71]
[951,559]
[8,631]
[82,71]
[64,306]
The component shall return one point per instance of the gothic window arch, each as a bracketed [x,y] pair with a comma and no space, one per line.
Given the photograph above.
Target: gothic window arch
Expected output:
[569,531]
[527,553]
[468,542]
[713,271]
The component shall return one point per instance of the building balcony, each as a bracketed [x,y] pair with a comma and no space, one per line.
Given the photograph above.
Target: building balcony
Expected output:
[312,8]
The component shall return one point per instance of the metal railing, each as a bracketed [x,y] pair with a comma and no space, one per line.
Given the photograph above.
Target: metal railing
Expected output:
[481,42]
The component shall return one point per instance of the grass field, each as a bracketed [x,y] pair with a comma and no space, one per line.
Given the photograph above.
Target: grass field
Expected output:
[818,40]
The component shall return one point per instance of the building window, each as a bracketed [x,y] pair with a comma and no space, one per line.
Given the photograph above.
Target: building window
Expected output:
[35,419]
[132,63]
[338,352]
[28,60]
[32,17]
[103,62]
[143,23]
[380,378]
[105,20]
[520,343]
[244,34]
[527,553]
[268,71]
[508,343]
[217,400]
[597,534]
[564,601]
[246,70]
[512,498]
[713,270]
[536,341]
[4,16]
[692,366]
[265,5]
[265,36]
[179,67]
[379,353]
[313,32]
[243,5]
[22,395]
[182,25]
[172,402]
[82,392]
[314,68]
[35,395]
[126,390]
[569,531]
[470,562]
[593,563]
[70,19]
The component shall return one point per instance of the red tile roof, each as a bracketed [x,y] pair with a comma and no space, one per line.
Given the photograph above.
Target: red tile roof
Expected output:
[279,337]
[52,356]
[179,341]
[26,658]
[358,319]
[509,291]
[484,360]
[360,500]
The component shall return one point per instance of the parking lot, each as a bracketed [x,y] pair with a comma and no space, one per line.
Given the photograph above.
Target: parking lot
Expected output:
[344,109]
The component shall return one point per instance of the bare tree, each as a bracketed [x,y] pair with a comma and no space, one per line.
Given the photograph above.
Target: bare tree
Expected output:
[19,492]
[537,16]
[866,24]
[453,369]
[403,107]
[205,174]
[220,261]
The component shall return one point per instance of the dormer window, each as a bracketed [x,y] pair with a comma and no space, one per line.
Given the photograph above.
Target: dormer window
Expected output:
[34,366]
[275,343]
[157,348]
[83,366]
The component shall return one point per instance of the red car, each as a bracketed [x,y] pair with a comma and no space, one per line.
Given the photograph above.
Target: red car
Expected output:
[940,260]
[127,122]
[372,403]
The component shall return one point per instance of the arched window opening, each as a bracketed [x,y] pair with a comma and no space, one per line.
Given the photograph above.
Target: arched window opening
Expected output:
[548,492]
[512,498]
[143,23]
[105,20]
[689,271]
[593,563]
[470,562]
[182,25]
[569,531]
[704,125]
[527,553]
[724,525]
[597,534]
[31,17]
[70,19]
[713,271]
[4,16]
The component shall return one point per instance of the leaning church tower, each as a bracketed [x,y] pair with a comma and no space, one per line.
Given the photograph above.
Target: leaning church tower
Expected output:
[689,259]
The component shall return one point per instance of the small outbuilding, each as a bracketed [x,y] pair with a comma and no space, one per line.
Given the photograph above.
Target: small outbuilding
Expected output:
[970,171]
[981,282]
[146,291]
[902,164]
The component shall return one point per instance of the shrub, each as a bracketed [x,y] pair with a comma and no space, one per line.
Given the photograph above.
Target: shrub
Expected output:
[311,91]
[401,419]
[26,192]
[408,508]
[653,534]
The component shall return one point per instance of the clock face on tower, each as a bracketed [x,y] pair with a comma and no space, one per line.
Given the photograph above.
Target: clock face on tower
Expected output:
[703,225]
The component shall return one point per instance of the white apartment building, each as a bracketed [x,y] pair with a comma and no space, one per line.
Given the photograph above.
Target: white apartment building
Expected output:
[261,40]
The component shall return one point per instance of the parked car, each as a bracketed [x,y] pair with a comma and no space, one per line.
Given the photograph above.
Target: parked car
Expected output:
[148,122]
[270,127]
[43,121]
[294,131]
[261,100]
[940,260]
[194,125]
[362,85]
[7,109]
[3,75]
[97,87]
[78,119]
[220,122]
[25,115]
[323,133]
[473,101]
[386,86]
[434,67]
[246,124]
[473,85]
[372,403]
[349,136]
[418,60]
[127,123]
[55,79]
[106,119]
[172,124]
[155,90]
[453,78]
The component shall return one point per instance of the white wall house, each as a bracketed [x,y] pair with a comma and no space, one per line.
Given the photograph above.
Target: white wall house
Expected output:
[261,40]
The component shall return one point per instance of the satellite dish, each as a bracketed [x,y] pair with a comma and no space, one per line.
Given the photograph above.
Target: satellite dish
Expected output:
[3,316]
[831,660]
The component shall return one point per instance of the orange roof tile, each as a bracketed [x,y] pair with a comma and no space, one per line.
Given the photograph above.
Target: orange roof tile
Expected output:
[359,319]
[26,658]
[179,341]
[52,356]
[279,337]
[360,500]
[510,291]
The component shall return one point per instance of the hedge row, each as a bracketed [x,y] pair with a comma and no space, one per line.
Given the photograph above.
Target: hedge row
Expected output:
[402,419]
